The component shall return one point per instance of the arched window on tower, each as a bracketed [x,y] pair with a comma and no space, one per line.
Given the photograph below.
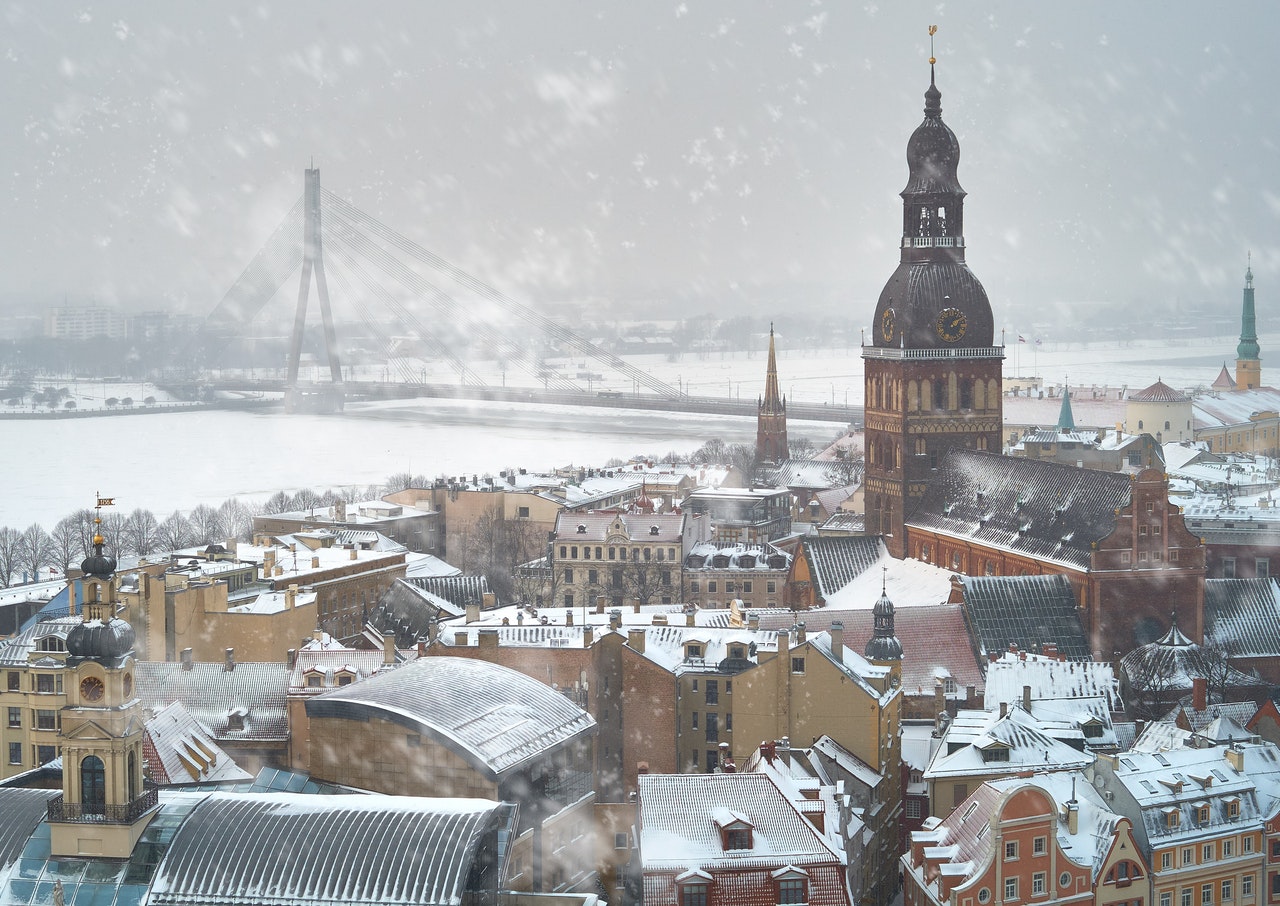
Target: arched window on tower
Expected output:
[93,785]
[942,221]
[913,397]
[926,395]
[966,394]
[926,218]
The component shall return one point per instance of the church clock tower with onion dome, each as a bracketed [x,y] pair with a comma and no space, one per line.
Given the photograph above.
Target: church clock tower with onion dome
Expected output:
[104,806]
[933,371]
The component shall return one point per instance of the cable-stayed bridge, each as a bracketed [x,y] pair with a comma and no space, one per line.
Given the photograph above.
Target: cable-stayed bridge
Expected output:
[419,306]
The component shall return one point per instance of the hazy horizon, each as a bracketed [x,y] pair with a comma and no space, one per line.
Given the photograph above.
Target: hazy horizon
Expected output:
[694,157]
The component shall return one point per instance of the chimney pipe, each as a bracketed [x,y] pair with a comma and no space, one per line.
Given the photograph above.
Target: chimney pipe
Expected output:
[837,641]
[389,649]
[473,612]
[1026,699]
[635,638]
[1200,693]
[186,658]
[230,661]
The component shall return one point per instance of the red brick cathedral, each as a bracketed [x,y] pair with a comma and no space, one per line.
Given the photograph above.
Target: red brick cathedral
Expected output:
[933,371]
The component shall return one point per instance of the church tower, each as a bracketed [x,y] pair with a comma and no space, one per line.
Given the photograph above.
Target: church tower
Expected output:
[103,808]
[771,417]
[883,648]
[933,371]
[1248,365]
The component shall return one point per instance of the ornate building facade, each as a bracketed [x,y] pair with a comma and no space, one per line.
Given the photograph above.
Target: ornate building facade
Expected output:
[933,371]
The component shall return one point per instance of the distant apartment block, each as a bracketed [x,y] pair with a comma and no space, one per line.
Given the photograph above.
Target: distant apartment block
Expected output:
[84,323]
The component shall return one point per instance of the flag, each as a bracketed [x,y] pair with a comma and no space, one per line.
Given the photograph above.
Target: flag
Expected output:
[1021,338]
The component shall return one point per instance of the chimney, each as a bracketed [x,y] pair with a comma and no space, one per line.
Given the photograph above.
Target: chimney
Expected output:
[339,511]
[837,641]
[488,600]
[488,638]
[1026,699]
[753,621]
[768,750]
[587,635]
[473,612]
[231,547]
[1004,709]
[635,638]
[800,634]
[291,597]
[278,571]
[1073,816]
[600,604]
[268,561]
[460,639]
[635,606]
[568,616]
[1200,694]
[939,697]
[784,750]
[355,555]
[1235,757]
[389,649]
[291,658]
[230,663]
[422,648]
[615,619]
[186,658]
[784,643]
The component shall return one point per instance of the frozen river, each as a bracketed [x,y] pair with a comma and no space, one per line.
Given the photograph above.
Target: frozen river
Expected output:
[178,460]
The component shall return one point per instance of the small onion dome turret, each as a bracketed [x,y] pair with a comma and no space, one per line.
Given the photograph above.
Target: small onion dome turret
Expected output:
[101,641]
[97,564]
[883,644]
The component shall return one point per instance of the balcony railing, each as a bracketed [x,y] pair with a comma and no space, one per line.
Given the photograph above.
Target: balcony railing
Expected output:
[932,242]
[890,352]
[81,813]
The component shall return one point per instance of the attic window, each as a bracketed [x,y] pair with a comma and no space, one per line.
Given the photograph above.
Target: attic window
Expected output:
[582,529]
[653,530]
[999,753]
[1172,818]
[315,680]
[1233,808]
[737,838]
[346,678]
[235,719]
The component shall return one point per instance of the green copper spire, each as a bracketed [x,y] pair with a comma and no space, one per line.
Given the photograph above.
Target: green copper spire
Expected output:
[1066,422]
[1248,348]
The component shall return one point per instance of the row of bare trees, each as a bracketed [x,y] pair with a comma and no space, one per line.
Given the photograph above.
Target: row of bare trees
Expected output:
[24,553]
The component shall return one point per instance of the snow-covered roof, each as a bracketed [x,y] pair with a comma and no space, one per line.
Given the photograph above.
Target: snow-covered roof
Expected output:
[212,693]
[653,528]
[1234,407]
[678,831]
[1029,747]
[1050,678]
[494,717]
[180,751]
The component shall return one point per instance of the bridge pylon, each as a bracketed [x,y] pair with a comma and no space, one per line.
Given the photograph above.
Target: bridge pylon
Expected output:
[313,396]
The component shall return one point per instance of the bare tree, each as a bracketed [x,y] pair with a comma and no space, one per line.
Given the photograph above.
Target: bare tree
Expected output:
[397,482]
[10,553]
[845,469]
[279,502]
[801,448]
[67,544]
[645,580]
[113,534]
[237,518]
[1150,685]
[36,551]
[497,546]
[306,499]
[140,532]
[174,533]
[83,521]
[205,525]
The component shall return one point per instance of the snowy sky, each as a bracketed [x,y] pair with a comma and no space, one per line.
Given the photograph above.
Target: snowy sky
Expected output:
[718,152]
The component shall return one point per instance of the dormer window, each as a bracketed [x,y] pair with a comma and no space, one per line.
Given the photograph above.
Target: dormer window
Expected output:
[737,838]
[653,530]
[345,678]
[235,719]
[51,643]
[792,885]
[1233,808]
[996,753]
[693,650]
[315,679]
[582,529]
[1202,813]
[735,829]
[1172,818]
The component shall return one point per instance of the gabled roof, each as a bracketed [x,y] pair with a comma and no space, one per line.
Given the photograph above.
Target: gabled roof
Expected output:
[457,590]
[1242,616]
[836,562]
[211,692]
[14,651]
[180,751]
[1030,747]
[1026,611]
[678,832]
[496,719]
[1038,508]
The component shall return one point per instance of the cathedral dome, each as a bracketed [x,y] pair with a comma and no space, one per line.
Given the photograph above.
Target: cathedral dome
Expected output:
[100,641]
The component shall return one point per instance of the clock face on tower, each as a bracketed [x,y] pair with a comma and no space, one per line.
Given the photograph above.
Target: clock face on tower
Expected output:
[887,323]
[91,689]
[952,324]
